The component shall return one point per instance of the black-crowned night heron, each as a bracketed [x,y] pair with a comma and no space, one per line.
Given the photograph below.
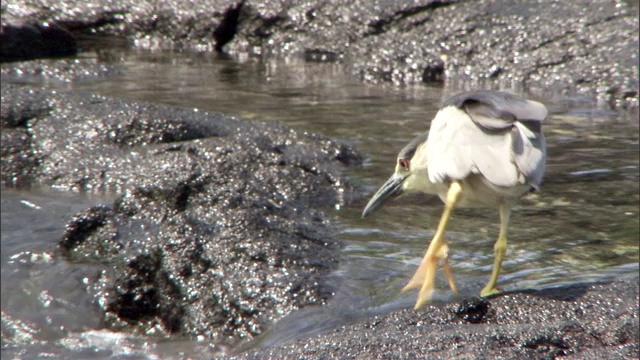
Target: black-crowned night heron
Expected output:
[484,148]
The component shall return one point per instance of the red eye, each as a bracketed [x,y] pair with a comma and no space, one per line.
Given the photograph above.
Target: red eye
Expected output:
[404,163]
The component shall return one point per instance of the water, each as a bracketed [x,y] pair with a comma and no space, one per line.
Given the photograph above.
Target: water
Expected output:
[583,226]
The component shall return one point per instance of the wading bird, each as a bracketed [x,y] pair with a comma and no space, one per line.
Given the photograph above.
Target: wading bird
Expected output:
[484,148]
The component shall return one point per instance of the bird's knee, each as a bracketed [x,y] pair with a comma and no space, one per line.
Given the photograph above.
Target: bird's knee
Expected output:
[442,253]
[500,247]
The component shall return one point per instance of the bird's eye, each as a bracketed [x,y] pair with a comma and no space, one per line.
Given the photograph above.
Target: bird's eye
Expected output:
[404,163]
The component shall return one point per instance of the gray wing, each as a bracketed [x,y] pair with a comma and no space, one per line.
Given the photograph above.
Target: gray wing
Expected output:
[493,133]
[529,152]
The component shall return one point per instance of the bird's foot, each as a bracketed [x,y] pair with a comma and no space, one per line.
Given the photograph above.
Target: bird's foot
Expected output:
[490,291]
[426,291]
[423,298]
[418,278]
[425,277]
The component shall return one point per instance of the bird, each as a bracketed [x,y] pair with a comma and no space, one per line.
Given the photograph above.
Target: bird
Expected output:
[484,148]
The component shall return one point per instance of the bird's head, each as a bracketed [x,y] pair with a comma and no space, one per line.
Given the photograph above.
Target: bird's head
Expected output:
[401,178]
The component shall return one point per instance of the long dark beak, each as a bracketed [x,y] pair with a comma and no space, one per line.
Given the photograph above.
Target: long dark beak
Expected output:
[391,189]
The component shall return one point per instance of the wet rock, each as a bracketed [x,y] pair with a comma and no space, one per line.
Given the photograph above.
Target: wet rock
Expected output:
[576,322]
[473,310]
[17,110]
[147,24]
[219,231]
[90,143]
[567,47]
[92,233]
[550,48]
[35,40]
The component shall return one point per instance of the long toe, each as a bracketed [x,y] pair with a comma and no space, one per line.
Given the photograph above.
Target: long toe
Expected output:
[416,281]
[424,297]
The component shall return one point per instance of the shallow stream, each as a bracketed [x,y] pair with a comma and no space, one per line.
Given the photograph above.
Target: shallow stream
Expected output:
[583,226]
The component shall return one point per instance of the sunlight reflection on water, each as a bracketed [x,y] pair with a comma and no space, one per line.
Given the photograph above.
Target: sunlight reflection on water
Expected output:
[582,227]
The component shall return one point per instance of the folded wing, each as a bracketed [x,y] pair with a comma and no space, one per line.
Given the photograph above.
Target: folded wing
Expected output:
[492,133]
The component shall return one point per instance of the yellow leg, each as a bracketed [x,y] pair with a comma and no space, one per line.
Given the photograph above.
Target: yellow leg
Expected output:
[500,248]
[424,278]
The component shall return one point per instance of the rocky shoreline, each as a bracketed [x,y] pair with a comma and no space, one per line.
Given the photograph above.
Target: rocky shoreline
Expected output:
[219,231]
[587,47]
[581,321]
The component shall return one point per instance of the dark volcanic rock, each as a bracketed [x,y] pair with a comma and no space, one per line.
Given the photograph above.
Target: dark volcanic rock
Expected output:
[219,231]
[17,110]
[580,321]
[587,46]
[32,41]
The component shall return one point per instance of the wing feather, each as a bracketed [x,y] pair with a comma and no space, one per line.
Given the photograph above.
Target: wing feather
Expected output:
[529,154]
[493,133]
